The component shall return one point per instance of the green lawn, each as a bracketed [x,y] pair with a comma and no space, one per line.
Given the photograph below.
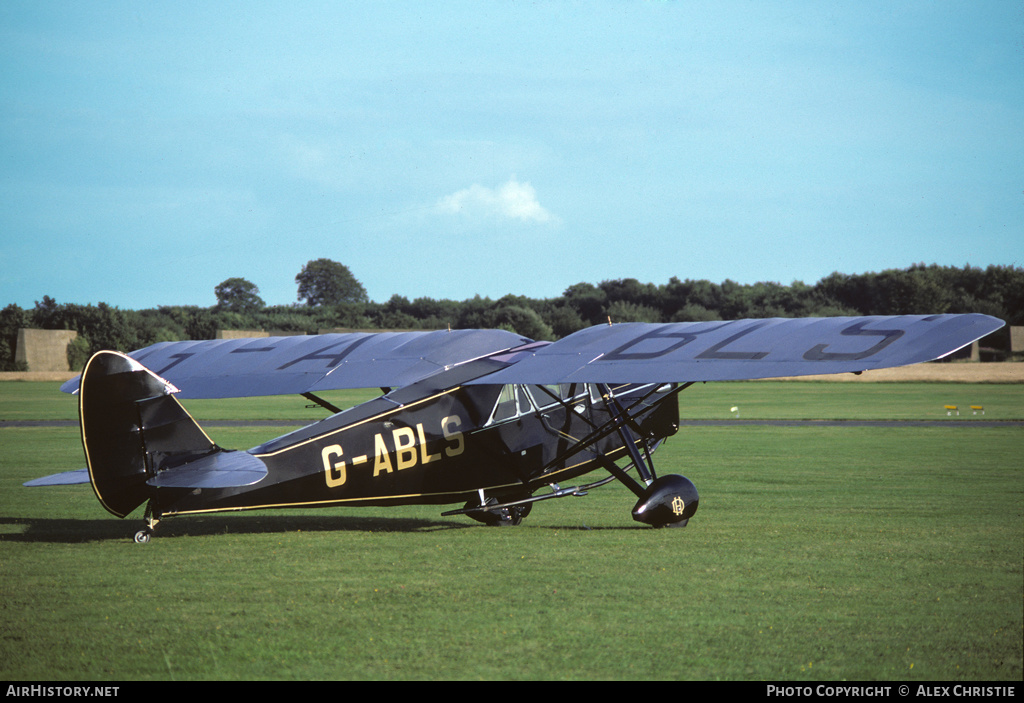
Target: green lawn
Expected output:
[824,400]
[44,401]
[818,553]
[760,400]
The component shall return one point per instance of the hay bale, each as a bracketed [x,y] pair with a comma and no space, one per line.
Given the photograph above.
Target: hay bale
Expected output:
[44,350]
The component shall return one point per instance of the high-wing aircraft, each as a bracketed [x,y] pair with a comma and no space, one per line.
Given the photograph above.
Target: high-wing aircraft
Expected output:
[485,418]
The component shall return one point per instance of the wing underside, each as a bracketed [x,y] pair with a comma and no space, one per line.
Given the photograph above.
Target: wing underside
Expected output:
[620,353]
[234,368]
[743,349]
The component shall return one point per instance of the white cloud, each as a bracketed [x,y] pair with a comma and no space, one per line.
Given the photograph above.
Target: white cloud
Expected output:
[513,200]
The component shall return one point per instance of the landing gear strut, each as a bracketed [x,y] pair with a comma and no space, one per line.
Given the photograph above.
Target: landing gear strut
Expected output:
[152,518]
[666,501]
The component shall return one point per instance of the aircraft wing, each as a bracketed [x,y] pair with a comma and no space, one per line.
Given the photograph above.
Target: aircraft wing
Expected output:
[235,368]
[742,349]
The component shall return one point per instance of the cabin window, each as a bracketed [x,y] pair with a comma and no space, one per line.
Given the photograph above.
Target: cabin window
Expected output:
[515,400]
[547,395]
[506,407]
[512,402]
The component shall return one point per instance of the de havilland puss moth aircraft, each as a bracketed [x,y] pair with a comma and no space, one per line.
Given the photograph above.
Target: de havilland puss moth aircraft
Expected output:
[485,418]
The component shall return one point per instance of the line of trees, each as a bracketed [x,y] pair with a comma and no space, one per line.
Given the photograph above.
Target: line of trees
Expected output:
[330,297]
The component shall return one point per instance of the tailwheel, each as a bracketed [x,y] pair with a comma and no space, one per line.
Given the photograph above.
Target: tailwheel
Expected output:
[500,516]
[146,533]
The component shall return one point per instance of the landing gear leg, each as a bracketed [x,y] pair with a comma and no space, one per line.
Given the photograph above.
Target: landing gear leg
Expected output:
[152,518]
[668,501]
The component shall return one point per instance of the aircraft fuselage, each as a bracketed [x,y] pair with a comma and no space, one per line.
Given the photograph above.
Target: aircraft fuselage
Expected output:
[439,442]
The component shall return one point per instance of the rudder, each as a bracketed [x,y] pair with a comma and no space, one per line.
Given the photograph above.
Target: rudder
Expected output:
[132,427]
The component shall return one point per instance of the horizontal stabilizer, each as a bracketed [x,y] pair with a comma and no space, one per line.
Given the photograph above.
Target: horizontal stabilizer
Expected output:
[223,469]
[65,478]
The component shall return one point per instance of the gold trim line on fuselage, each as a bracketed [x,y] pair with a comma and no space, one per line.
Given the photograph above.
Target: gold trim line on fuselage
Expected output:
[377,499]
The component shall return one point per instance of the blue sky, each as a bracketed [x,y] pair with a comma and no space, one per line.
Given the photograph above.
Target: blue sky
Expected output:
[151,150]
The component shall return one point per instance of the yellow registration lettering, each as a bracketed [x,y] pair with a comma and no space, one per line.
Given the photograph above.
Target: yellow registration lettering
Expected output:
[334,472]
[382,463]
[405,447]
[425,457]
[453,435]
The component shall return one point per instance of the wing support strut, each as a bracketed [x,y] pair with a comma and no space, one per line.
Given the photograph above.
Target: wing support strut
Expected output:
[626,425]
[623,416]
[321,402]
[624,422]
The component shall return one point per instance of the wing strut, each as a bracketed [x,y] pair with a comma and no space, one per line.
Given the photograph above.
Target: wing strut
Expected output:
[321,402]
[625,425]
[621,417]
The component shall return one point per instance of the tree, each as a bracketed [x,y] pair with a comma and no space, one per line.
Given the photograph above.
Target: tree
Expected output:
[588,300]
[238,295]
[326,282]
[563,320]
[695,312]
[521,320]
[624,311]
[12,318]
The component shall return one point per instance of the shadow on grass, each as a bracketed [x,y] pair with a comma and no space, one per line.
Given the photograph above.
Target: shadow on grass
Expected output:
[70,531]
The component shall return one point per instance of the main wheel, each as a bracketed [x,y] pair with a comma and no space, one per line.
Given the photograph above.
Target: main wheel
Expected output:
[142,536]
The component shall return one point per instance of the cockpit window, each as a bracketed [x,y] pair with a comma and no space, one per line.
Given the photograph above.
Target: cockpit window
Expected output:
[515,400]
[548,395]
[512,402]
[506,407]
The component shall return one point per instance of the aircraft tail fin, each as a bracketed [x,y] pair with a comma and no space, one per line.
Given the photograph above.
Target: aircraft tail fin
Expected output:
[132,428]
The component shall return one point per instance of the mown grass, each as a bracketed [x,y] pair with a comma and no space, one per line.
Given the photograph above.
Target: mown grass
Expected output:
[824,400]
[793,400]
[20,400]
[818,553]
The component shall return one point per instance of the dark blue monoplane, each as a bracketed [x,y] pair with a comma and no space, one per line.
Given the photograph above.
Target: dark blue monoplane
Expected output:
[485,418]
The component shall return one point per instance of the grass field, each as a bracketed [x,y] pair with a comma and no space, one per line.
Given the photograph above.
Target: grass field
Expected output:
[805,400]
[818,553]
